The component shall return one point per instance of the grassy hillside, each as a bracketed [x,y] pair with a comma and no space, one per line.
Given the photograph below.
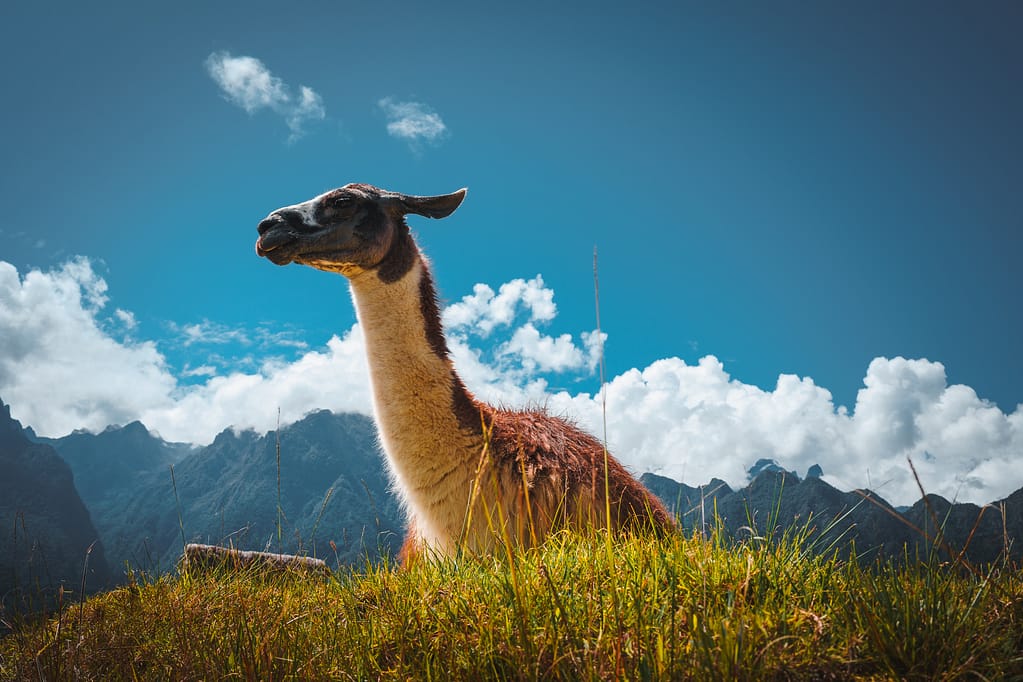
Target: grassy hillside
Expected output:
[578,608]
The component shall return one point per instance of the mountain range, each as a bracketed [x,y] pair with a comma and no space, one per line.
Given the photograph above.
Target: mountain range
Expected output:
[319,487]
[778,501]
[333,489]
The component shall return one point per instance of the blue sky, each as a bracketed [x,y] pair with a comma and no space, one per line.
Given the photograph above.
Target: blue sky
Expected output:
[786,188]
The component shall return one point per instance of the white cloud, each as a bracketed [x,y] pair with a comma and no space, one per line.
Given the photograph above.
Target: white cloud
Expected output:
[412,121]
[483,311]
[251,400]
[207,332]
[59,370]
[308,108]
[544,353]
[126,318]
[200,371]
[248,83]
[694,422]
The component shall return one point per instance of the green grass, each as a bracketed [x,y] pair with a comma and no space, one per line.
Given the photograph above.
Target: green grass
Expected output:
[576,608]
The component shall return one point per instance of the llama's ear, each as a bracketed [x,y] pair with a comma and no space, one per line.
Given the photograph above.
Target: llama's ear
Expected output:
[433,207]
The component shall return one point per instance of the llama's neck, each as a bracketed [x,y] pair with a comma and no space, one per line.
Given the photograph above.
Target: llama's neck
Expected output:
[425,416]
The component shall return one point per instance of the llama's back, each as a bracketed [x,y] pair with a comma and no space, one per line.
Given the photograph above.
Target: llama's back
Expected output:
[561,470]
[535,475]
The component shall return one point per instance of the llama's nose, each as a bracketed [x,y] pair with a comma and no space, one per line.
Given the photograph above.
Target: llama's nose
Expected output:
[271,221]
[294,220]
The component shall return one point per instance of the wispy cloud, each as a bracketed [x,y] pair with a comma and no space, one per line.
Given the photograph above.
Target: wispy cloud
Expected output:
[414,122]
[209,333]
[247,82]
[127,319]
[200,371]
[61,369]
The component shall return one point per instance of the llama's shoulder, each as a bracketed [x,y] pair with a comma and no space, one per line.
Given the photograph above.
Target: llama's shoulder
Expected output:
[542,440]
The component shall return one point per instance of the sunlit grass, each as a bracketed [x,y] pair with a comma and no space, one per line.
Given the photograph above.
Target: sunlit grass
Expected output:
[671,608]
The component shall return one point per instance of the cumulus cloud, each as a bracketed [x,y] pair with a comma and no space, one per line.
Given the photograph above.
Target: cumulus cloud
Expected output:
[247,82]
[414,122]
[544,353]
[61,369]
[251,400]
[482,311]
[692,422]
[498,348]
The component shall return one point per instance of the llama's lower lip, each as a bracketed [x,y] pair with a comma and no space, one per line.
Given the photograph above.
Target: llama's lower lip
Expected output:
[271,241]
[274,251]
[264,250]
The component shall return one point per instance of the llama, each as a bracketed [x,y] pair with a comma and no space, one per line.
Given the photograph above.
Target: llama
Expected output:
[469,474]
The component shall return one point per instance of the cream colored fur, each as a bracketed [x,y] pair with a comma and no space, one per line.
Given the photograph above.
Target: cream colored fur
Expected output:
[433,462]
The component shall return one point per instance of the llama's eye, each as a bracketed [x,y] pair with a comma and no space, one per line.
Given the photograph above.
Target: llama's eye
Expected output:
[341,207]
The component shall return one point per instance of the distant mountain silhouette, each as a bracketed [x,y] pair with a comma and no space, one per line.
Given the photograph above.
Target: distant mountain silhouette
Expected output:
[777,500]
[107,464]
[227,492]
[980,529]
[45,529]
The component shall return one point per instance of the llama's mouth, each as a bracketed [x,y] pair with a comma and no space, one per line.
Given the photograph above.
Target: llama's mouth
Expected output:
[277,246]
[278,239]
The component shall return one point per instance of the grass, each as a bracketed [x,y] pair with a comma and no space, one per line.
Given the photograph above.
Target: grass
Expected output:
[575,608]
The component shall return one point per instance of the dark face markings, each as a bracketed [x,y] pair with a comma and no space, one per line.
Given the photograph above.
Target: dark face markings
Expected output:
[358,225]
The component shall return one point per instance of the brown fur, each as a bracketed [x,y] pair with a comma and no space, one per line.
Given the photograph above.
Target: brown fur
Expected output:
[540,475]
[558,458]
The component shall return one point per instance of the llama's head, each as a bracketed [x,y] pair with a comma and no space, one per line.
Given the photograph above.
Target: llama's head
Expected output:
[350,230]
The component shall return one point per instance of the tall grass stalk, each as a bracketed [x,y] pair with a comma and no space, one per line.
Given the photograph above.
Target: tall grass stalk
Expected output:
[177,506]
[609,545]
[277,443]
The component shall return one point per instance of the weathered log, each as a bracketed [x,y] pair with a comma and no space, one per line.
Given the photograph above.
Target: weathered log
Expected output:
[211,557]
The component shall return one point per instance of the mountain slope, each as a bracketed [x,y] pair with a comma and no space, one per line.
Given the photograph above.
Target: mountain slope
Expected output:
[333,488]
[45,529]
[108,463]
[776,500]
